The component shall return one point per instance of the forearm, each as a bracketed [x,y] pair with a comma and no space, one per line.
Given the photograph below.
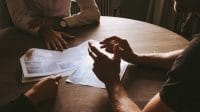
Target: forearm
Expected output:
[21,104]
[89,14]
[120,100]
[158,60]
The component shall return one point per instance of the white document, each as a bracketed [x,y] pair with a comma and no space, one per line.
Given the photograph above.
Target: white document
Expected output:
[84,74]
[74,62]
[39,62]
[34,79]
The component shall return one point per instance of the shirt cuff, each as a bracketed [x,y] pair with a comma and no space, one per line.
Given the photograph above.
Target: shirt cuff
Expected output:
[71,22]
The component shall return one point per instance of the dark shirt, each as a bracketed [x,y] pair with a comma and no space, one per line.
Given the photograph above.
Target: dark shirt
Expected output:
[181,90]
[189,25]
[21,104]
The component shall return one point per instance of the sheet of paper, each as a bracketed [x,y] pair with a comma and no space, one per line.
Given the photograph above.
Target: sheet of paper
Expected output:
[73,62]
[84,74]
[34,79]
[39,62]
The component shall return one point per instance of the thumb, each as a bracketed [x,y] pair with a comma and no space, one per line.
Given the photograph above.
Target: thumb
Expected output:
[116,53]
[57,77]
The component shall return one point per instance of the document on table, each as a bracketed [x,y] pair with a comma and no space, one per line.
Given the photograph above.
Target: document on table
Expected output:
[39,62]
[84,74]
[74,62]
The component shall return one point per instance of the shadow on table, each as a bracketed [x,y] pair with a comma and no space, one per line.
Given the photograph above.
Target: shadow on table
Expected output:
[14,43]
[143,83]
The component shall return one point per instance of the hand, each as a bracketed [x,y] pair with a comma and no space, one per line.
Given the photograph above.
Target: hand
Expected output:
[125,51]
[48,22]
[37,22]
[43,90]
[54,39]
[106,69]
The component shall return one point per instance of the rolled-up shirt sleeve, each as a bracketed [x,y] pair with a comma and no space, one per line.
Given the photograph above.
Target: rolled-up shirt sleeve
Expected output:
[20,15]
[89,13]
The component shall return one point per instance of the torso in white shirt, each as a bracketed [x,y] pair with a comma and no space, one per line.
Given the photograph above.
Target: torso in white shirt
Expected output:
[59,8]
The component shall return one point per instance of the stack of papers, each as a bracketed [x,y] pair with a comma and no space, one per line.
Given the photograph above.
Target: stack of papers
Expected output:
[73,62]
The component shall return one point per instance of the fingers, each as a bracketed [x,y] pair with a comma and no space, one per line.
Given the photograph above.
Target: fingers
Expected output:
[108,47]
[54,39]
[63,42]
[47,45]
[108,40]
[58,44]
[91,54]
[57,78]
[109,43]
[116,52]
[53,45]
[67,36]
[95,51]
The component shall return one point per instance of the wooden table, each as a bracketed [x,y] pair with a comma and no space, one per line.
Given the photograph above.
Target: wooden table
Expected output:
[143,38]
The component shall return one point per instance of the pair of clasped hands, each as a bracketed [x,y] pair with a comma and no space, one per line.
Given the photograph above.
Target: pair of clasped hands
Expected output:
[50,31]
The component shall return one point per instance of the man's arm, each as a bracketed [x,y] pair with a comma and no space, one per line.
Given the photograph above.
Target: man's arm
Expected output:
[89,13]
[120,100]
[122,103]
[159,60]
[157,105]
[107,70]
[20,15]
[37,94]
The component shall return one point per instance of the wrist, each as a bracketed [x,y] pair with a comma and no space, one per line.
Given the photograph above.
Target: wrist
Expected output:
[113,84]
[114,90]
[32,97]
[62,25]
[43,30]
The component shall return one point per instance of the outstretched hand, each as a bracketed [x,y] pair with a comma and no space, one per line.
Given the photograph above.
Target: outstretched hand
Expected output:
[125,50]
[106,69]
[43,90]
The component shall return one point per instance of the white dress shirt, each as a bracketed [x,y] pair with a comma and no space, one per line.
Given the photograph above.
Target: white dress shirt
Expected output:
[23,11]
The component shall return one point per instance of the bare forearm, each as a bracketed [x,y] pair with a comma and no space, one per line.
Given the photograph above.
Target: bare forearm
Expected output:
[120,100]
[159,60]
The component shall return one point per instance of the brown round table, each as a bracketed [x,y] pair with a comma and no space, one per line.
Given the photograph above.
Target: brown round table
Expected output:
[143,38]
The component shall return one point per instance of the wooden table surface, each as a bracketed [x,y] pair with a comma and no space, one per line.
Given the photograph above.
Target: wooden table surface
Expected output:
[143,38]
